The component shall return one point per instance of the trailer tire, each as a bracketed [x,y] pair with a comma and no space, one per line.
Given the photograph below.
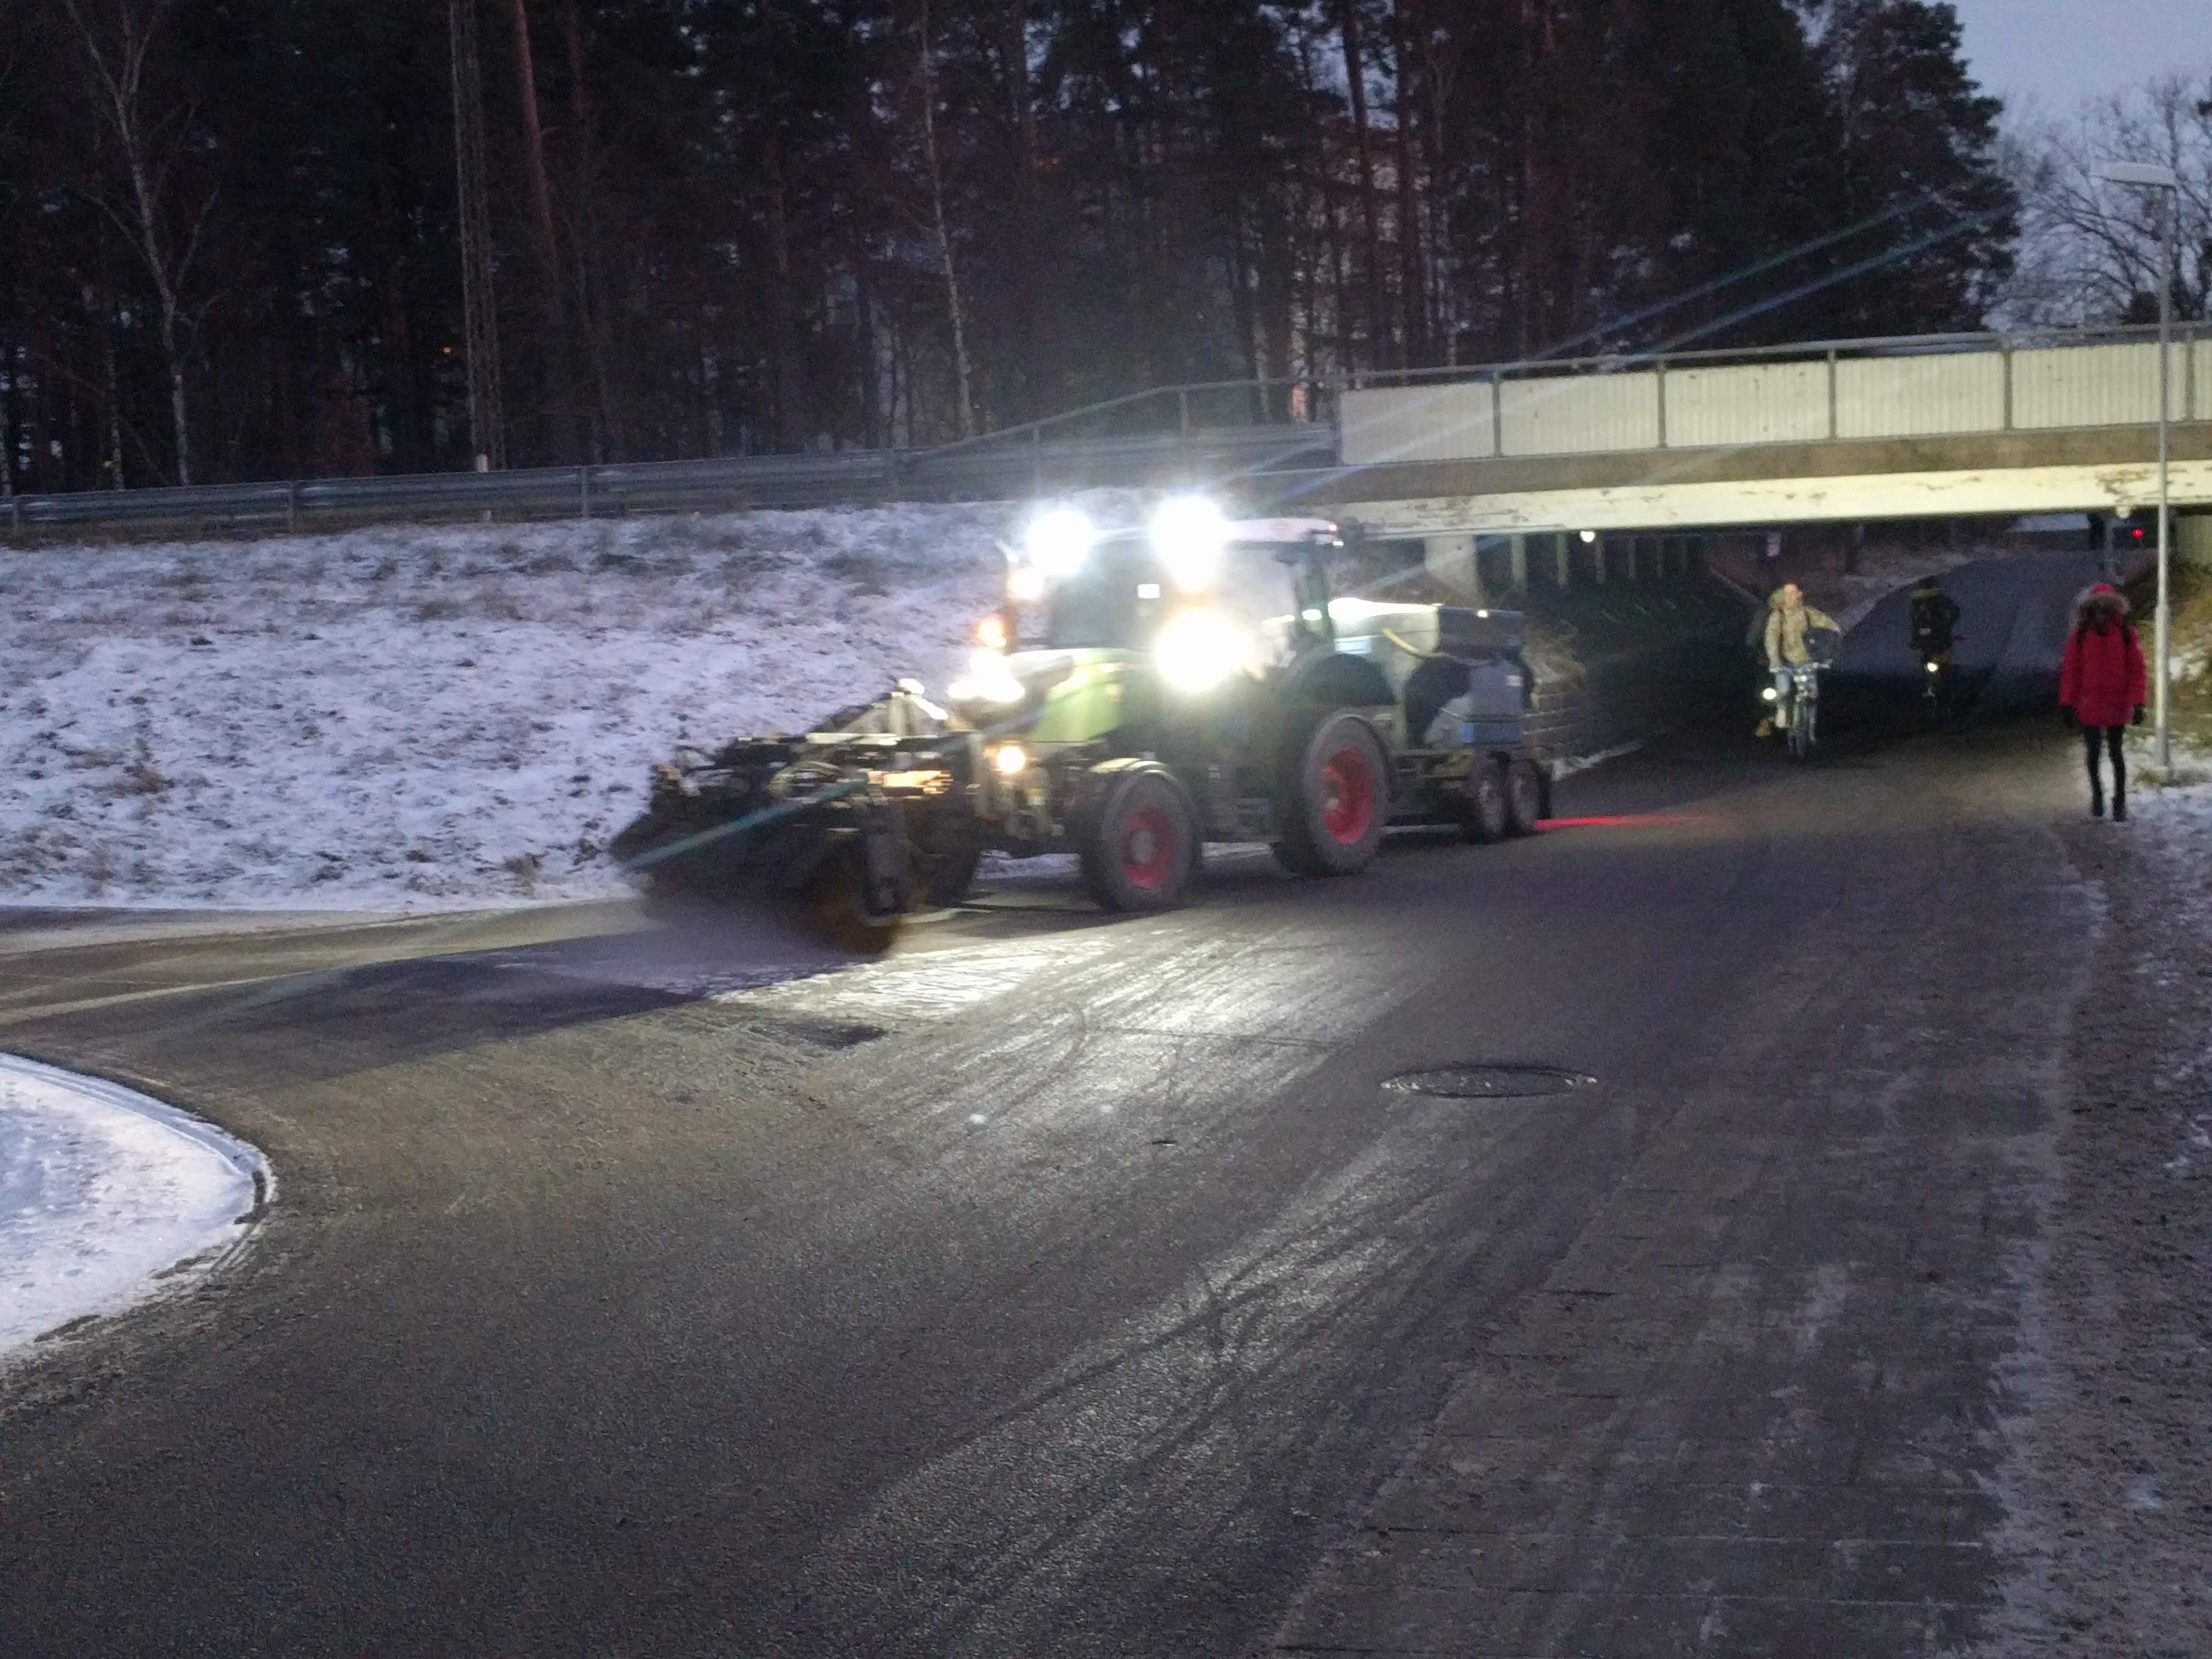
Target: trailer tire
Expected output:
[1488,817]
[1336,796]
[1138,843]
[1524,798]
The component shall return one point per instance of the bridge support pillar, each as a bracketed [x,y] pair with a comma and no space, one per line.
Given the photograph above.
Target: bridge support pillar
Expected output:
[1563,558]
[1451,561]
[1601,550]
[2193,539]
[1516,553]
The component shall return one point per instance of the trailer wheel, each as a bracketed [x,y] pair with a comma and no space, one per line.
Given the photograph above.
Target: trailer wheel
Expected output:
[1139,846]
[1488,812]
[1337,799]
[1524,798]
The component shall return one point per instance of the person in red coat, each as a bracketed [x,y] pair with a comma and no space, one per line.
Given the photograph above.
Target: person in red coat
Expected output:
[2101,685]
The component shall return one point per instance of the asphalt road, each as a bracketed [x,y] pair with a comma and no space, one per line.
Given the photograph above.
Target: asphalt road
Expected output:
[1068,1286]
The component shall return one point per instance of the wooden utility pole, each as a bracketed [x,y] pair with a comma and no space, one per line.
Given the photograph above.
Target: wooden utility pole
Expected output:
[479,316]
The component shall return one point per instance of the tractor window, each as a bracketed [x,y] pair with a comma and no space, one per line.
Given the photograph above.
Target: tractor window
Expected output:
[1267,596]
[1095,609]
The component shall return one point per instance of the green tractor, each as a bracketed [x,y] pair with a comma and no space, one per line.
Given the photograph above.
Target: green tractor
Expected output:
[1139,694]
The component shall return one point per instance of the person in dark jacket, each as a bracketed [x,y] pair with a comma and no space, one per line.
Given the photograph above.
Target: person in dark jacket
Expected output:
[2102,686]
[1935,618]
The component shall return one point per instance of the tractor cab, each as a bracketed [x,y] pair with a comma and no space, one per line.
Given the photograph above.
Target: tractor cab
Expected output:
[1190,607]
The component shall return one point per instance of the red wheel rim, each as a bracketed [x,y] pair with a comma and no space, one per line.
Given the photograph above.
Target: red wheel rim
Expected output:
[1147,848]
[1347,797]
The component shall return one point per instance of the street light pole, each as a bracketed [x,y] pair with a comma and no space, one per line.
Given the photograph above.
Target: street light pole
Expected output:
[2143,176]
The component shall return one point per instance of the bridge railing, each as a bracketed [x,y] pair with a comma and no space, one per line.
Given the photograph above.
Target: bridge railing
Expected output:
[1925,386]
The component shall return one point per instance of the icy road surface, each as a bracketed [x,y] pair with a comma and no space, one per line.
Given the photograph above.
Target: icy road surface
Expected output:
[104,1195]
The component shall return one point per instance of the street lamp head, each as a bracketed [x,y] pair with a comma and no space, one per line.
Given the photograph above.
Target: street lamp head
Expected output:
[2139,172]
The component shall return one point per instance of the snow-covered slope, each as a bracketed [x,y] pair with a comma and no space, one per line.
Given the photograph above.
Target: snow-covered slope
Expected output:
[404,718]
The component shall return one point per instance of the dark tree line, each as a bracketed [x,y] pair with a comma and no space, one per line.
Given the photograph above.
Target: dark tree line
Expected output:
[229,241]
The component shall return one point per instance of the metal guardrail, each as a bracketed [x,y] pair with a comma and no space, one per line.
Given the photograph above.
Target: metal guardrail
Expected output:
[1150,436]
[734,483]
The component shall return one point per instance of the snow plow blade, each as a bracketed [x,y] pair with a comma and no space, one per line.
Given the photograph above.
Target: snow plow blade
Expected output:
[844,823]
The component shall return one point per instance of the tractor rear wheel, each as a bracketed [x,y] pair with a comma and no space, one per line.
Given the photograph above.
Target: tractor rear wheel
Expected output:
[1489,813]
[1140,845]
[1336,797]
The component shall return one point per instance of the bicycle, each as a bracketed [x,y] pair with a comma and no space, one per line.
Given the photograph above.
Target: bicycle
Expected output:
[1804,709]
[1936,677]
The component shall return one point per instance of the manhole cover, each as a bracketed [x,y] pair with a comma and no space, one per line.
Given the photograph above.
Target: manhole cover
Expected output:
[1489,1082]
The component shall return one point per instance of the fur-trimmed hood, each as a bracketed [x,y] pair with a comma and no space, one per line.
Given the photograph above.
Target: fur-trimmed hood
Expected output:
[2101,607]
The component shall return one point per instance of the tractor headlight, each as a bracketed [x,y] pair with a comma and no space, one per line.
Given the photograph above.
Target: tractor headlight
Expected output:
[987,680]
[1011,759]
[1058,541]
[1198,650]
[1188,532]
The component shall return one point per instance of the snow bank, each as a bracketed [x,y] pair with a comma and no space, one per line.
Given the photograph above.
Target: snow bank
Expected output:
[102,1189]
[414,717]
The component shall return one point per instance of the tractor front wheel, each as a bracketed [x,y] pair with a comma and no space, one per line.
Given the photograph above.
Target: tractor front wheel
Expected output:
[1139,846]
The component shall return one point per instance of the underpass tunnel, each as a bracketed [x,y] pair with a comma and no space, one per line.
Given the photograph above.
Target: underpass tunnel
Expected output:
[1637,621]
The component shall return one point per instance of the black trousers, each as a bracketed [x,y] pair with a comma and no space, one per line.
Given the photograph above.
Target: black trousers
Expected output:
[2110,736]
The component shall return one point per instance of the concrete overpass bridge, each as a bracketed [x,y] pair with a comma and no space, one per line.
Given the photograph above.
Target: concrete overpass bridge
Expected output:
[1949,426]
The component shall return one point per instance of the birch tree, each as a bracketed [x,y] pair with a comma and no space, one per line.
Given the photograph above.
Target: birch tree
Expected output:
[117,37]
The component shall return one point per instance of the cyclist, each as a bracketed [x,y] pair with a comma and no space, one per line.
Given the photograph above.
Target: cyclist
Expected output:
[1935,627]
[1789,622]
[1935,618]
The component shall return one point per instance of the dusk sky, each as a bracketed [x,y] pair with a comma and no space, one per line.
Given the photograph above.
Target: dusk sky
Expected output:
[2054,52]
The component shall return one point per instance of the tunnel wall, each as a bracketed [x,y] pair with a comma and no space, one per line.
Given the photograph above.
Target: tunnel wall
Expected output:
[1619,664]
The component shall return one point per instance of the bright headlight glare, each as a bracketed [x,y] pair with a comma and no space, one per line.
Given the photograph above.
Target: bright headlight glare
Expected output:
[1025,584]
[1769,693]
[1198,650]
[1011,759]
[1059,540]
[1931,665]
[1188,532]
[990,633]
